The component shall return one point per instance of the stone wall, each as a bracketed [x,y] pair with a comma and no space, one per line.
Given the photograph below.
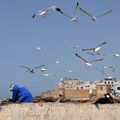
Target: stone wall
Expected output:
[60,111]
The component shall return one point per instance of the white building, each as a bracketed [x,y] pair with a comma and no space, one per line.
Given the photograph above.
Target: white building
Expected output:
[115,84]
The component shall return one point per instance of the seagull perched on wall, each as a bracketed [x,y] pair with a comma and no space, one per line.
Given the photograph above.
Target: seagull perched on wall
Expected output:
[96,49]
[32,70]
[94,18]
[53,8]
[88,63]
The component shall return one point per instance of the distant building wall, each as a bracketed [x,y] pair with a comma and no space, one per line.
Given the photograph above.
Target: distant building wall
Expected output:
[77,94]
[102,89]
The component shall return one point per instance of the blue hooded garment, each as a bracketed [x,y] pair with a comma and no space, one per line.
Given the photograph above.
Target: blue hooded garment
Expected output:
[21,94]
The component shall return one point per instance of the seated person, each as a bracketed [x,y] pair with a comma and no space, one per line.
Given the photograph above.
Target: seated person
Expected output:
[20,94]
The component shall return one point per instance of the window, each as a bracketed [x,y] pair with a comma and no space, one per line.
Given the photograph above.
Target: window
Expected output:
[118,88]
[101,88]
[81,87]
[77,87]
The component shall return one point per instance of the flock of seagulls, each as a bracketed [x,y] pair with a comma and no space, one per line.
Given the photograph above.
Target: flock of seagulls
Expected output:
[106,70]
[92,51]
[95,51]
[54,8]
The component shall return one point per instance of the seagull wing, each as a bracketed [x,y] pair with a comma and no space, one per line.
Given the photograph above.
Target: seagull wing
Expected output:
[81,58]
[34,16]
[87,49]
[96,60]
[52,7]
[101,44]
[103,72]
[25,67]
[70,17]
[105,13]
[111,54]
[87,13]
[63,13]
[55,8]
[38,67]
[75,11]
[39,12]
[91,53]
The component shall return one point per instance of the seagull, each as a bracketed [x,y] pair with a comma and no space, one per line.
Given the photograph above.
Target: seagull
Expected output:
[57,61]
[43,69]
[48,74]
[74,15]
[96,49]
[103,72]
[90,53]
[46,11]
[38,48]
[94,18]
[109,66]
[88,63]
[76,46]
[53,8]
[69,71]
[115,54]
[31,70]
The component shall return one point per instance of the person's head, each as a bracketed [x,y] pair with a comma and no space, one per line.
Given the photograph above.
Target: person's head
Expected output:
[11,87]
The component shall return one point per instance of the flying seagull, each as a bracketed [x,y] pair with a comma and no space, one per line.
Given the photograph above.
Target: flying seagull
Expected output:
[74,14]
[114,54]
[38,48]
[107,66]
[46,11]
[75,46]
[93,54]
[53,8]
[42,69]
[96,49]
[57,61]
[88,63]
[31,70]
[94,18]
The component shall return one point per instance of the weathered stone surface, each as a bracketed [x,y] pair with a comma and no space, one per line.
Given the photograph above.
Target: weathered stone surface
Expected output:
[60,111]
